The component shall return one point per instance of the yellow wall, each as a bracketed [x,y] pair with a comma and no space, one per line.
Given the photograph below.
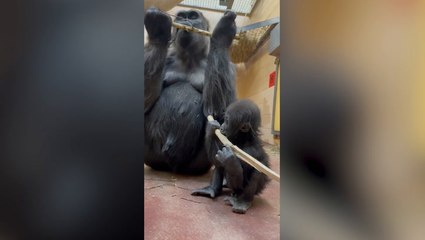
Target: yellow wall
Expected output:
[276,118]
[253,76]
[419,108]
[383,44]
[164,5]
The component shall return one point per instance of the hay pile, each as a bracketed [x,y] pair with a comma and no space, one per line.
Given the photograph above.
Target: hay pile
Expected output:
[249,42]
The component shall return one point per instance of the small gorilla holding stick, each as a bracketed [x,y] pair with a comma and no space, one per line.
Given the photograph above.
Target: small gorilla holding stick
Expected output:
[241,126]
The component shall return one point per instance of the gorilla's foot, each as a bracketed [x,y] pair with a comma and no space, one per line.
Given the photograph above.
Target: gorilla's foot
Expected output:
[238,205]
[206,191]
[229,200]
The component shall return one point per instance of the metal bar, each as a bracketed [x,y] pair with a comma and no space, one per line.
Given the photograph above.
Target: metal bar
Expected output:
[270,21]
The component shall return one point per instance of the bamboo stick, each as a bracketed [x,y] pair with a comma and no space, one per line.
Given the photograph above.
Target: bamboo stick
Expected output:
[196,30]
[245,156]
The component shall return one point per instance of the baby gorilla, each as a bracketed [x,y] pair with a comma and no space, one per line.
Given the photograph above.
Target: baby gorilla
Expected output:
[241,126]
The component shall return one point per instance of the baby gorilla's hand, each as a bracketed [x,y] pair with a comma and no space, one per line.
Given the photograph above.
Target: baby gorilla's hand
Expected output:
[226,158]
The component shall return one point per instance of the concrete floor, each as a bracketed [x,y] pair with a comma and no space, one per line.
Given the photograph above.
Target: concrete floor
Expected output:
[172,213]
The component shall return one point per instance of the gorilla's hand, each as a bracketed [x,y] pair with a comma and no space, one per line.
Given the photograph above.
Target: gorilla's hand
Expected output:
[158,25]
[226,158]
[225,30]
[211,127]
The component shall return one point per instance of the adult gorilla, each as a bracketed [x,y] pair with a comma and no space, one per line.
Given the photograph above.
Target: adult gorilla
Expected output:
[184,82]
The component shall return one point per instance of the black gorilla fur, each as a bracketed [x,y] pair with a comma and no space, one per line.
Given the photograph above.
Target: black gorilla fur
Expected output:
[184,82]
[241,126]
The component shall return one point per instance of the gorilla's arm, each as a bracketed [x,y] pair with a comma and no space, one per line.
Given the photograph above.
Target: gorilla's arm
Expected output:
[218,93]
[211,140]
[158,26]
[219,86]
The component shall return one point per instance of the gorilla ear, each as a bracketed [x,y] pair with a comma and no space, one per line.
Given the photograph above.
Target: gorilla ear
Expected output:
[246,127]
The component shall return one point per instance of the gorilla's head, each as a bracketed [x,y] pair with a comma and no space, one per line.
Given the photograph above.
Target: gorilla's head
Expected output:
[190,41]
[242,119]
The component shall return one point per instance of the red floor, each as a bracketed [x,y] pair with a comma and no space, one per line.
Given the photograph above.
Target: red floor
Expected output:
[172,213]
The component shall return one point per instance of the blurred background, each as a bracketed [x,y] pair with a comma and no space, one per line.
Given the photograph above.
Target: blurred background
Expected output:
[352,120]
[71,119]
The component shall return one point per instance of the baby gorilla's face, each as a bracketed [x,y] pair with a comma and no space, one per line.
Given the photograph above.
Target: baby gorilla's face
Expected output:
[242,119]
[230,127]
[224,126]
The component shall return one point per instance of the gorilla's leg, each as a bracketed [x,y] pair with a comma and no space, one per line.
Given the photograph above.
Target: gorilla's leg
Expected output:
[158,26]
[243,196]
[215,187]
[155,161]
[226,164]
[200,165]
[241,202]
[218,93]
